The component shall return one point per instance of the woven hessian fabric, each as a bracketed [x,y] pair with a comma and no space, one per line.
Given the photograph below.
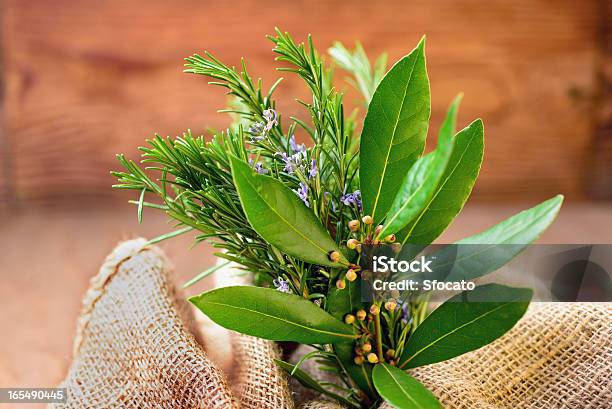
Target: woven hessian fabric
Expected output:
[134,349]
[558,356]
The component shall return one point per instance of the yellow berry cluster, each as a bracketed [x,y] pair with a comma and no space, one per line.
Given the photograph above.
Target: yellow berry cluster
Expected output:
[363,320]
[365,235]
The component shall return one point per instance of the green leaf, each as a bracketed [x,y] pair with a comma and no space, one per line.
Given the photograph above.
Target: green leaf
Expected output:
[303,377]
[205,274]
[465,322]
[280,217]
[421,181]
[341,302]
[270,314]
[309,382]
[401,390]
[170,235]
[141,204]
[453,190]
[394,131]
[491,249]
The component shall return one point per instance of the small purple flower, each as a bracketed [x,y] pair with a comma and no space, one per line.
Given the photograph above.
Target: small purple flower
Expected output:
[289,165]
[294,146]
[257,131]
[259,167]
[271,119]
[352,199]
[312,172]
[404,305]
[302,193]
[281,285]
[292,162]
[331,201]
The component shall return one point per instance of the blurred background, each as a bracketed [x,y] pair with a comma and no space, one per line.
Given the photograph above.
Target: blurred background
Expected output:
[84,80]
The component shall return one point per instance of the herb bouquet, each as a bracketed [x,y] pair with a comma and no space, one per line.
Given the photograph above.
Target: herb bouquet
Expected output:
[304,220]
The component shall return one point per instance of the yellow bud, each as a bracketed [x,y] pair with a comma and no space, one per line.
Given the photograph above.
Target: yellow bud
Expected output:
[390,305]
[358,248]
[358,360]
[390,353]
[352,244]
[351,275]
[367,220]
[334,256]
[353,225]
[349,318]
[367,347]
[341,284]
[374,310]
[361,315]
[372,358]
[390,238]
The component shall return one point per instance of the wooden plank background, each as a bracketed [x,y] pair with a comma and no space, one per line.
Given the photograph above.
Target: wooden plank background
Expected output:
[84,80]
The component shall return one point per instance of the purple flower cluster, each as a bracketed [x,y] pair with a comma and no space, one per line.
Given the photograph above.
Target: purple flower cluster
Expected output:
[292,162]
[281,285]
[352,199]
[259,130]
[302,193]
[297,161]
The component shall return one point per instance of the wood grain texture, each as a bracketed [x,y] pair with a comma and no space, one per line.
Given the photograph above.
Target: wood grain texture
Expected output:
[599,173]
[85,80]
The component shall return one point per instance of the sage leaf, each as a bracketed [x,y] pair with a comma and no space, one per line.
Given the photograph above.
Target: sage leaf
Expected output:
[402,390]
[270,314]
[394,131]
[465,322]
[491,249]
[422,179]
[453,190]
[279,216]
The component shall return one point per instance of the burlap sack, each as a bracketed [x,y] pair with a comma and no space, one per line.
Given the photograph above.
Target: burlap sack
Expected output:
[132,347]
[558,356]
[130,353]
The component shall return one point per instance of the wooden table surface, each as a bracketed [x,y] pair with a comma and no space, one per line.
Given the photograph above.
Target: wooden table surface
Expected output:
[49,257]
